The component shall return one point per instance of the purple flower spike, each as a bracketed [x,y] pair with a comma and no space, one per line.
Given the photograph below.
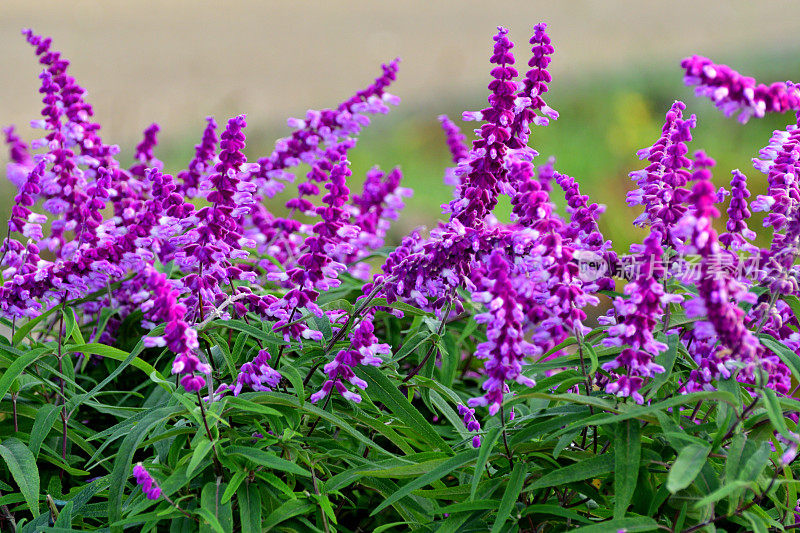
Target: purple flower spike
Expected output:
[483,173]
[144,152]
[257,374]
[738,233]
[717,295]
[456,141]
[146,481]
[638,315]
[662,183]
[471,423]
[202,162]
[529,98]
[20,159]
[506,346]
[731,92]
[364,350]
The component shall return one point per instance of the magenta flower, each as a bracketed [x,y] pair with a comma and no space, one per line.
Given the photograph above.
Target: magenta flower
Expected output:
[146,481]
[257,374]
[364,350]
[733,93]
[202,162]
[456,141]
[471,423]
[637,317]
[662,183]
[506,346]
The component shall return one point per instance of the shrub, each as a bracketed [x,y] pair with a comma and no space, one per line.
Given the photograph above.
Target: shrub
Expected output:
[176,354]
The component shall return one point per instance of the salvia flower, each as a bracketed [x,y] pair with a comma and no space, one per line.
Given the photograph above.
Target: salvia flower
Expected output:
[257,374]
[471,423]
[201,163]
[733,93]
[534,86]
[738,233]
[144,151]
[506,346]
[456,141]
[20,161]
[662,183]
[364,350]
[483,173]
[637,317]
[146,481]
[717,295]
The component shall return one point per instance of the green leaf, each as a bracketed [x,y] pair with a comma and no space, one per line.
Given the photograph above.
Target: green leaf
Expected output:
[249,499]
[291,401]
[553,510]
[722,492]
[410,345]
[71,326]
[595,363]
[267,459]
[286,511]
[233,486]
[629,525]
[510,495]
[96,348]
[381,389]
[734,458]
[404,307]
[627,454]
[64,518]
[757,523]
[127,359]
[755,464]
[28,326]
[211,523]
[294,377]
[16,368]
[22,465]
[199,453]
[440,471]
[775,413]
[46,416]
[585,469]
[253,331]
[483,455]
[253,407]
[210,500]
[667,360]
[687,465]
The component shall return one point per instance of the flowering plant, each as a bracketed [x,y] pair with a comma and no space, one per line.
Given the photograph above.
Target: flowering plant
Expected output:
[250,370]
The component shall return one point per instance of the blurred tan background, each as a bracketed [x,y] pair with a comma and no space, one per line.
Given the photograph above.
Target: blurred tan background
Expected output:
[615,69]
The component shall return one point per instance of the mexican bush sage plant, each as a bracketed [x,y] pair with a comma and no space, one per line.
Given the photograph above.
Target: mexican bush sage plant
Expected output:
[177,354]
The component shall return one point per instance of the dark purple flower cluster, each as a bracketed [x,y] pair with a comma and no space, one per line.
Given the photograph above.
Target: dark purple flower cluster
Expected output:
[717,297]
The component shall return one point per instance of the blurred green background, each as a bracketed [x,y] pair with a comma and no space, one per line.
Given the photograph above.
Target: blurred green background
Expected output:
[616,72]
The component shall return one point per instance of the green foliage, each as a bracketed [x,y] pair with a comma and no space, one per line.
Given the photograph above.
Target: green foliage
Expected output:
[399,460]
